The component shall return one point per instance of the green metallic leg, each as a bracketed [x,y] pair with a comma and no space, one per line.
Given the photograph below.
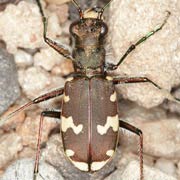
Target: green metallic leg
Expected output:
[58,47]
[133,46]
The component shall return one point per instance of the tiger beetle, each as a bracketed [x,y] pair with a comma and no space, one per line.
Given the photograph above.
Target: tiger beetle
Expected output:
[89,117]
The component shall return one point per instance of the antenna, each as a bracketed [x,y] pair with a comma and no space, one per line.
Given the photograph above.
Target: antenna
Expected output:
[79,9]
[102,10]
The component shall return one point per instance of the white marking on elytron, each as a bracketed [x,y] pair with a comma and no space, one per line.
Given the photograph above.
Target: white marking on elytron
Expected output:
[69,152]
[68,123]
[110,153]
[98,165]
[69,79]
[109,78]
[66,98]
[80,165]
[112,121]
[113,97]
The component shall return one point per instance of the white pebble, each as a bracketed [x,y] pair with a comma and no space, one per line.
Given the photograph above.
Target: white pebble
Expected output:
[21,26]
[149,173]
[132,172]
[23,170]
[47,58]
[10,145]
[34,80]
[23,59]
[166,166]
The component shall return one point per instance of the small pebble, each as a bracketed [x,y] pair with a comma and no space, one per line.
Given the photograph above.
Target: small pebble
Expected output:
[47,58]
[166,166]
[15,120]
[21,26]
[34,80]
[10,145]
[23,170]
[27,152]
[134,113]
[65,68]
[30,128]
[161,138]
[60,10]
[4,3]
[23,59]
[9,87]
[132,172]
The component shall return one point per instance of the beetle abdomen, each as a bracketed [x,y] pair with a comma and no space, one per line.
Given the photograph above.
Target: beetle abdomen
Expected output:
[90,122]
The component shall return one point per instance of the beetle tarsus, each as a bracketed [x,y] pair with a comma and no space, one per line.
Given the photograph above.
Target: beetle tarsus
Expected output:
[35,176]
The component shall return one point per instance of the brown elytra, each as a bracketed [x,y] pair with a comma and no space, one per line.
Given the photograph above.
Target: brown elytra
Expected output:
[89,103]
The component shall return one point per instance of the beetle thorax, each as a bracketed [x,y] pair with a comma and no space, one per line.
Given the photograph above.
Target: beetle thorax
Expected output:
[88,35]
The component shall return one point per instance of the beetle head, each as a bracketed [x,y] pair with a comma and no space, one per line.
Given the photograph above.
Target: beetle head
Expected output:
[90,23]
[88,34]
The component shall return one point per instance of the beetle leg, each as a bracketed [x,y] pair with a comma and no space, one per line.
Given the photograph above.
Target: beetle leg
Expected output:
[133,46]
[37,100]
[53,114]
[121,80]
[58,47]
[137,131]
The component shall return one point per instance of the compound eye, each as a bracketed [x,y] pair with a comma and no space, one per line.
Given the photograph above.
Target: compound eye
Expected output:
[104,29]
